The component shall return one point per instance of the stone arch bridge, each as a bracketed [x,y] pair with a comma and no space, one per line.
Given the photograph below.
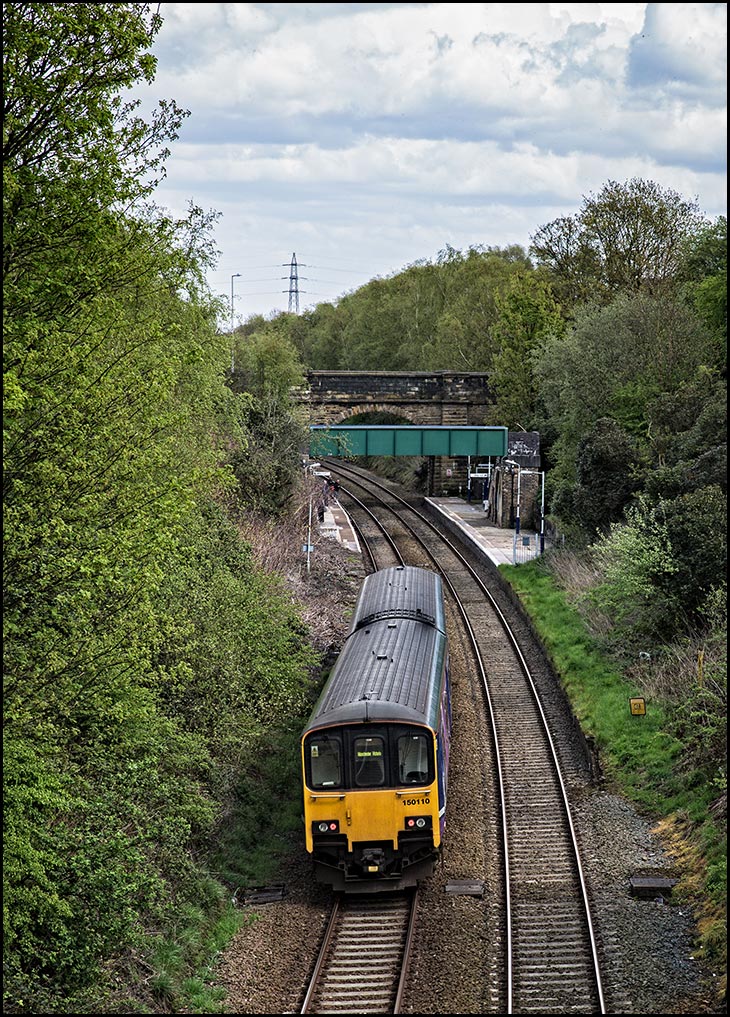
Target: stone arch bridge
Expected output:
[423,398]
[427,398]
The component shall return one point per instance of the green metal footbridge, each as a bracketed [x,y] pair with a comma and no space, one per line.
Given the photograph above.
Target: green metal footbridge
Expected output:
[403,440]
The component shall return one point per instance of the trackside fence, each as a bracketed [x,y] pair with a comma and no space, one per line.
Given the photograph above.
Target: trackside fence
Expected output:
[525,547]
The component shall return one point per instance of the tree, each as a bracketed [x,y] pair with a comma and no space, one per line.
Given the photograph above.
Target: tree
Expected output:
[266,459]
[318,336]
[384,320]
[527,315]
[268,364]
[470,283]
[566,249]
[620,362]
[689,437]
[703,271]
[607,462]
[117,419]
[616,360]
[73,151]
[628,238]
[696,527]
[633,558]
[663,567]
[432,316]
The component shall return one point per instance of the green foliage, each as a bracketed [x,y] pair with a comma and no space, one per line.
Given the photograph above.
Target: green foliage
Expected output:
[689,438]
[700,721]
[318,335]
[606,468]
[35,794]
[264,815]
[527,315]
[663,569]
[696,527]
[704,273]
[88,54]
[617,360]
[265,459]
[634,559]
[389,320]
[325,339]
[628,238]
[627,362]
[471,283]
[268,365]
[266,465]
[431,316]
[88,869]
[141,647]
[234,654]
[355,326]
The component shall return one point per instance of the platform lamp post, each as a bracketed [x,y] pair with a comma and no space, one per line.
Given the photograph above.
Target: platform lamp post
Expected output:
[519,481]
[542,514]
[233,349]
[511,462]
[309,546]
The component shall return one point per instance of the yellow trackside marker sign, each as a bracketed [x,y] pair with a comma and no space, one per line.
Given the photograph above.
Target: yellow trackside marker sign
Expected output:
[638,707]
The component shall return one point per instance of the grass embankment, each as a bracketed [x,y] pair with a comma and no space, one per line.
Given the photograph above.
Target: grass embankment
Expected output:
[641,756]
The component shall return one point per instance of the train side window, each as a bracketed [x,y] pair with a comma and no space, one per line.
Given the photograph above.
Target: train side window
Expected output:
[369,761]
[325,760]
[413,759]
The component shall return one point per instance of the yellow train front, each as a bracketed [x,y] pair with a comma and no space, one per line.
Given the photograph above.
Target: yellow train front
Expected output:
[375,752]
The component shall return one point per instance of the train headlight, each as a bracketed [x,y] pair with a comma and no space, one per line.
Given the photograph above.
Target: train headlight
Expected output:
[327,826]
[418,822]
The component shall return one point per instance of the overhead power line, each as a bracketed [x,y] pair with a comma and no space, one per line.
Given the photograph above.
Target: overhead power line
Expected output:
[294,290]
[331,268]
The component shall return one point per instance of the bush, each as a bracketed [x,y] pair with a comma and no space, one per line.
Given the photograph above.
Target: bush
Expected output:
[632,559]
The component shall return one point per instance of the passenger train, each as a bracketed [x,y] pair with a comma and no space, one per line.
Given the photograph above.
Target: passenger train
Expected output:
[375,752]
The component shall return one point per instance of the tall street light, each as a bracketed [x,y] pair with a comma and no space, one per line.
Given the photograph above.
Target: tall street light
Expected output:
[233,355]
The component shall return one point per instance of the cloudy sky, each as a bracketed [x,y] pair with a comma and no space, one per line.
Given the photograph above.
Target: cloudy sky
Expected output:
[360,138]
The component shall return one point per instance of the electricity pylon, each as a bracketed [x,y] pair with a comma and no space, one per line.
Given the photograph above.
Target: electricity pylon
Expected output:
[294,285]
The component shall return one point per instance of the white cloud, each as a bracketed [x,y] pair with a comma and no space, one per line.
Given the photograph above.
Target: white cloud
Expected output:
[682,45]
[381,60]
[379,132]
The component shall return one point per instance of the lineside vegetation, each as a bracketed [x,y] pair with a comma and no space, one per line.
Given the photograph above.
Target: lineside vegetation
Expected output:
[151,633]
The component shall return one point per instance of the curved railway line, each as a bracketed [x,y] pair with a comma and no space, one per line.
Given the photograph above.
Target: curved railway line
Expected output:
[544,950]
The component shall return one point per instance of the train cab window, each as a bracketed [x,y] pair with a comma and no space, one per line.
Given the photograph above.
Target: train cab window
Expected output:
[413,759]
[369,761]
[325,761]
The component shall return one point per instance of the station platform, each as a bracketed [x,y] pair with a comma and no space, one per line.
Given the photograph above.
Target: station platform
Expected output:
[500,546]
[336,524]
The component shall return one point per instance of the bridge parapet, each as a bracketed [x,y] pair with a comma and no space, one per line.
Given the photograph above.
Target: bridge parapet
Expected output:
[421,397]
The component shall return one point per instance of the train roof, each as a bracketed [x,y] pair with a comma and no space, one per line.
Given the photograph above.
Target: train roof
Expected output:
[389,670]
[403,591]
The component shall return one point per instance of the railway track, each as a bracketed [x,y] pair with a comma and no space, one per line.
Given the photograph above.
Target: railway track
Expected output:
[548,958]
[364,957]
